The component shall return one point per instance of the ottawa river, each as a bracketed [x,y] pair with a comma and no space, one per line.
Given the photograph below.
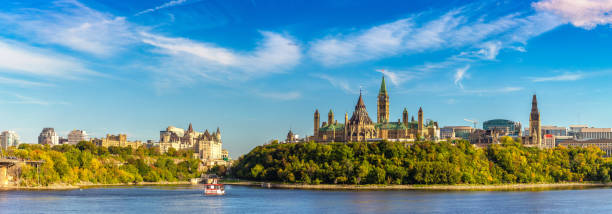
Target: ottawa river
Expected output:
[240,199]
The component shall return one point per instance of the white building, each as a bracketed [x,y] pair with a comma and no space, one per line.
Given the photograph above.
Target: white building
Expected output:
[593,133]
[76,136]
[9,138]
[48,136]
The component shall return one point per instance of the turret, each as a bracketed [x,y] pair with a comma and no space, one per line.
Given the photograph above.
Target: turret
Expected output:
[190,129]
[405,117]
[316,122]
[218,133]
[330,117]
[420,125]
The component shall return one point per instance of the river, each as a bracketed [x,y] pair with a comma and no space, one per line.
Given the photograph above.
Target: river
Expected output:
[241,199]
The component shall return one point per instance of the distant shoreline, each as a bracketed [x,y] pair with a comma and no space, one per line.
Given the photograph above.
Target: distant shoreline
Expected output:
[458,187]
[88,185]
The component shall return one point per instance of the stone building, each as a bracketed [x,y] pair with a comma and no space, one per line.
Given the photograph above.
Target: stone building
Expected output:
[206,146]
[76,136]
[119,140]
[48,136]
[360,128]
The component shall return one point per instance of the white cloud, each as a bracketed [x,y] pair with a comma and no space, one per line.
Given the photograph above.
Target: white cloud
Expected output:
[165,5]
[562,77]
[71,24]
[460,74]
[23,59]
[337,82]
[581,13]
[187,59]
[454,29]
[14,98]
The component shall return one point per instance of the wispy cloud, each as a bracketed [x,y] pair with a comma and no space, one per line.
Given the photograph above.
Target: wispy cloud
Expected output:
[165,5]
[397,77]
[186,58]
[562,77]
[14,98]
[492,91]
[337,82]
[71,24]
[452,30]
[581,13]
[291,95]
[22,59]
[460,74]
[22,83]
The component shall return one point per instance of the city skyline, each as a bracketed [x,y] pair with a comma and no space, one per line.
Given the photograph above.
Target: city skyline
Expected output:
[255,71]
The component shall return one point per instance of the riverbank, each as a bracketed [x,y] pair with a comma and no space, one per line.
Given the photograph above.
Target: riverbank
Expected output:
[458,187]
[88,185]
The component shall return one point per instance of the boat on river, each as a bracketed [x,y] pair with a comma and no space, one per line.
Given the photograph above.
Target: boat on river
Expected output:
[212,185]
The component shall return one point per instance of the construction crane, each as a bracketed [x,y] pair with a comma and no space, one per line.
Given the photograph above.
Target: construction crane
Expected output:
[472,121]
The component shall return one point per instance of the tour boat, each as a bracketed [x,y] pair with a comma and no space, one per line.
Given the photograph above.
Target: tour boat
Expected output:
[214,189]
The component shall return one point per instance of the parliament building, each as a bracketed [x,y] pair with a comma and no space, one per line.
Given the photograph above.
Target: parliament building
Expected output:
[360,128]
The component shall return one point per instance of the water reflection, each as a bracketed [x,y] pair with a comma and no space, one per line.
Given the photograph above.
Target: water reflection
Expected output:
[238,199]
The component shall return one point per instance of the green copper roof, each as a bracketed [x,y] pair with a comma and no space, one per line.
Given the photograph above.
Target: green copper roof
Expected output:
[383,87]
[391,126]
[332,127]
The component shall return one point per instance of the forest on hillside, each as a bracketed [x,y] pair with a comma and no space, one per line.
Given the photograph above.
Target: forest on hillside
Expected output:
[421,163]
[88,163]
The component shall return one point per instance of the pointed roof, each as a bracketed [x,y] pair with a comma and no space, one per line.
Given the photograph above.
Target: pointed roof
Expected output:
[218,131]
[190,129]
[330,112]
[383,86]
[535,114]
[360,114]
[316,111]
[420,109]
[405,110]
[206,133]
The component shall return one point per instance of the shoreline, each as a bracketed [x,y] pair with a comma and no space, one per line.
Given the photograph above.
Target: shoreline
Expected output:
[457,187]
[88,185]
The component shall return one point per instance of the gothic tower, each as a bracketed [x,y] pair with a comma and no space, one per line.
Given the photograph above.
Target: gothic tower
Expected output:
[316,122]
[405,117]
[330,117]
[420,125]
[383,104]
[535,131]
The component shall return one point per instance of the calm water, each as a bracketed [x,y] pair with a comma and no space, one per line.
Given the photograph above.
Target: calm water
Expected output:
[189,199]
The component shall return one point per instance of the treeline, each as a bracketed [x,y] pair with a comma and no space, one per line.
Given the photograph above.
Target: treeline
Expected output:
[421,163]
[88,163]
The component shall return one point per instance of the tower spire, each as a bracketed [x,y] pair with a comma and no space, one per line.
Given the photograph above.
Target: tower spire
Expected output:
[383,86]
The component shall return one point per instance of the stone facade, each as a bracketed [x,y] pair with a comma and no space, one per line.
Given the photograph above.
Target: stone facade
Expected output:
[206,146]
[360,128]
[535,130]
[119,140]
[48,136]
[76,136]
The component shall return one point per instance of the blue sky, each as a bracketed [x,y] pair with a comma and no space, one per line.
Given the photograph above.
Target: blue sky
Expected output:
[257,68]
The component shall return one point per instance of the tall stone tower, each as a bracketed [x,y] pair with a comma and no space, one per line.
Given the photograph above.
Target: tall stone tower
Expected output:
[420,125]
[535,131]
[405,118]
[316,122]
[330,117]
[383,103]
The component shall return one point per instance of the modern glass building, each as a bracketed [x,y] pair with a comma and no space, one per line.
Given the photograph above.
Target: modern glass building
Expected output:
[508,127]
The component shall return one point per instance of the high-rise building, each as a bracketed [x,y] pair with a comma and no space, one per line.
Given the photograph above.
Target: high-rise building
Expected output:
[48,136]
[8,138]
[76,136]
